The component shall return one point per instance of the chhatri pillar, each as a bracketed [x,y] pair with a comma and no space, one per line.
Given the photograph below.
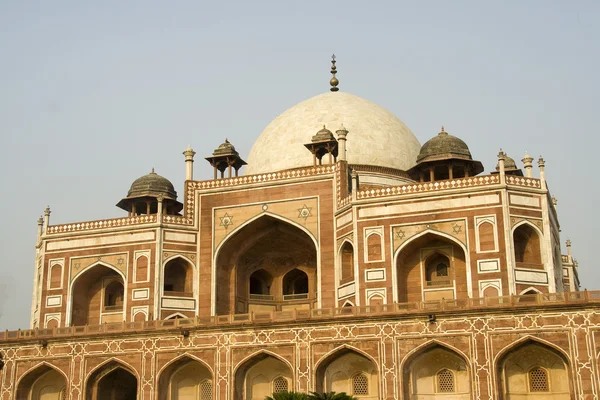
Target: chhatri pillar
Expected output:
[225,157]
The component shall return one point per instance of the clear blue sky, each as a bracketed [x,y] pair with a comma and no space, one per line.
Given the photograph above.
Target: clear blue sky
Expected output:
[95,94]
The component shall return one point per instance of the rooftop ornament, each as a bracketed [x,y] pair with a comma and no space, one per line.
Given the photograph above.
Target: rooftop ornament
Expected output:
[334,81]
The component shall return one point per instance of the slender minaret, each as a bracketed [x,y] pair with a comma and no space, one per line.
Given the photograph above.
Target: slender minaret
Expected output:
[342,133]
[40,222]
[46,218]
[542,165]
[501,158]
[189,154]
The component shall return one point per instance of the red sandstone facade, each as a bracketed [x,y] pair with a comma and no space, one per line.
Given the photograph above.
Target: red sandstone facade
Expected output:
[421,284]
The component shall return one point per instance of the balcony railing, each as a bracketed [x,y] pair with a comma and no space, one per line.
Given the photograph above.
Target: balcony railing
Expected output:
[118,307]
[171,293]
[439,283]
[267,297]
[362,312]
[271,298]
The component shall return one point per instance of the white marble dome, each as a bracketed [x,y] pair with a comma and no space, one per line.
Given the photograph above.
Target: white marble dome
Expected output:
[375,136]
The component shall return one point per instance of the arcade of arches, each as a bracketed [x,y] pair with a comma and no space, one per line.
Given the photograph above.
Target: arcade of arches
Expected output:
[269,265]
[431,267]
[528,371]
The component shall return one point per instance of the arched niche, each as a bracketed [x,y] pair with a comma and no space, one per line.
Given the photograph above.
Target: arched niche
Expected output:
[349,371]
[185,378]
[374,247]
[295,284]
[533,370]
[436,372]
[527,246]
[346,261]
[55,276]
[42,383]
[260,283]
[420,269]
[98,296]
[261,376]
[178,278]
[112,381]
[266,244]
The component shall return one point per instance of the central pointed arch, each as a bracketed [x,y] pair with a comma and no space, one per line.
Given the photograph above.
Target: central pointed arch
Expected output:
[113,379]
[531,368]
[185,377]
[348,369]
[261,374]
[435,370]
[269,247]
[41,382]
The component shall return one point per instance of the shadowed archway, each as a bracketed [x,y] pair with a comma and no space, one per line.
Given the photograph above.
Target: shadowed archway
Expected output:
[252,263]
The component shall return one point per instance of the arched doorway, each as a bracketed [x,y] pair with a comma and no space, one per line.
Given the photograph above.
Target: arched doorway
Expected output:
[436,372]
[178,278]
[431,267]
[98,297]
[112,381]
[261,376]
[348,371]
[252,263]
[42,383]
[185,379]
[532,370]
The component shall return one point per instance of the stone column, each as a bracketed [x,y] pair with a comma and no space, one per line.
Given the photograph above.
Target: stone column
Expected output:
[570,257]
[542,165]
[528,165]
[342,133]
[354,176]
[46,218]
[40,227]
[189,163]
[501,158]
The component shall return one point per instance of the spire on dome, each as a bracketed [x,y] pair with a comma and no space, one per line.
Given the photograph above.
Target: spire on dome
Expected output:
[334,81]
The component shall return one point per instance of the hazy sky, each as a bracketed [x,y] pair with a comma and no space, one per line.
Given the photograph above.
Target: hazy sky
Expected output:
[94,94]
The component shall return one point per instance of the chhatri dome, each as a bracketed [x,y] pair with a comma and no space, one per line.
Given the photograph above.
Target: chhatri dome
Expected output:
[376,137]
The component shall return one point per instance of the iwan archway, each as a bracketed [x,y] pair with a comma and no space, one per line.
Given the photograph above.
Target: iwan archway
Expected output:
[267,265]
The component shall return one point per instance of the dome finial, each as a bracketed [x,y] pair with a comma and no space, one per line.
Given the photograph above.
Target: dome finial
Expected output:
[152,171]
[334,81]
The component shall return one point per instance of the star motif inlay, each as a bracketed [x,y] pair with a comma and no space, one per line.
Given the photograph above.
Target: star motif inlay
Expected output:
[304,212]
[120,261]
[77,265]
[400,234]
[457,228]
[226,220]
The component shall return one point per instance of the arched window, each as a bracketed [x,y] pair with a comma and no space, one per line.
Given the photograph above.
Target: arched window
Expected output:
[280,384]
[260,282]
[113,296]
[206,390]
[295,285]
[437,270]
[347,261]
[445,381]
[538,380]
[360,385]
[178,278]
[527,245]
